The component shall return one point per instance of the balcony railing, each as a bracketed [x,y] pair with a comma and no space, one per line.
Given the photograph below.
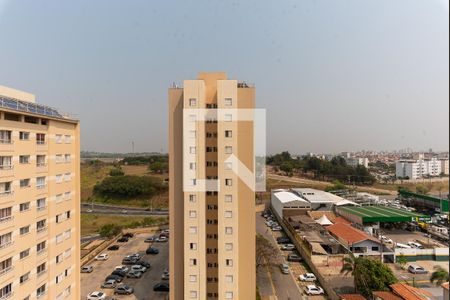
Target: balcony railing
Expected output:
[6,193]
[6,244]
[41,165]
[6,167]
[41,273]
[6,219]
[41,208]
[6,270]
[41,186]
[41,229]
[41,251]
[6,141]
[41,294]
[7,296]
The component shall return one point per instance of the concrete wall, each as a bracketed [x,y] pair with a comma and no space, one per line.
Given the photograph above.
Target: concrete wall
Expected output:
[437,254]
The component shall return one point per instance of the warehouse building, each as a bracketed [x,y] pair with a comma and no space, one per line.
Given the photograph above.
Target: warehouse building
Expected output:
[287,204]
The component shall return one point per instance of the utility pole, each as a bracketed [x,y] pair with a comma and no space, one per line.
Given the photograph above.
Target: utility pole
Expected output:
[132,147]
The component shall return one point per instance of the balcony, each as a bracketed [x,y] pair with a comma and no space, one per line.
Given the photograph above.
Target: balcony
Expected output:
[6,245]
[6,145]
[6,270]
[6,219]
[41,167]
[7,296]
[41,229]
[6,170]
[7,193]
[41,251]
[41,208]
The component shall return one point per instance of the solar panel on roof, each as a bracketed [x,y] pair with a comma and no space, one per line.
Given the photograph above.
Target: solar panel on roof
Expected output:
[28,107]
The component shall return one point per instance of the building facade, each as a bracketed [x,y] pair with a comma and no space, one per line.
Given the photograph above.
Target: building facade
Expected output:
[212,249]
[419,168]
[357,161]
[39,200]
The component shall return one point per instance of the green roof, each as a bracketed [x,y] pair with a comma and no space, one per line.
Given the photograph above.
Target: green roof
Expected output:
[441,203]
[370,214]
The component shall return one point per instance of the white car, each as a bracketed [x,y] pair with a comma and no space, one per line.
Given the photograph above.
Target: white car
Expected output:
[122,268]
[96,296]
[284,268]
[287,247]
[161,239]
[102,256]
[385,239]
[313,290]
[415,245]
[277,228]
[138,268]
[307,277]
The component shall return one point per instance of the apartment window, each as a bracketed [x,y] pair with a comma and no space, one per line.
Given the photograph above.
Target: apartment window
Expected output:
[228,117]
[228,133]
[58,198]
[228,230]
[24,206]
[59,158]
[27,297]
[228,246]
[40,182]
[5,137]
[40,291]
[67,158]
[40,138]
[192,214]
[41,204]
[67,195]
[192,262]
[24,253]
[32,120]
[58,218]
[211,149]
[228,150]
[24,230]
[67,234]
[193,294]
[68,290]
[228,295]
[25,277]
[58,138]
[228,214]
[228,198]
[228,182]
[67,139]
[67,176]
[228,262]
[6,266]
[40,269]
[228,166]
[40,247]
[229,278]
[24,159]
[192,166]
[40,160]
[24,135]
[5,162]
[59,278]
[67,253]
[5,240]
[192,118]
[24,183]
[192,198]
[192,278]
[193,182]
[58,178]
[228,102]
[192,134]
[5,188]
[5,214]
[192,230]
[41,225]
[6,291]
[192,150]
[193,246]
[192,102]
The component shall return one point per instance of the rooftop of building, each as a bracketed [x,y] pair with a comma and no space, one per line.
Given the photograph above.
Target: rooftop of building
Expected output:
[385,295]
[408,292]
[352,297]
[445,285]
[285,196]
[349,233]
[317,196]
[371,214]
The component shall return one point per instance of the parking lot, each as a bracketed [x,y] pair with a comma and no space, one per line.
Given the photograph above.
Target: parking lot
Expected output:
[143,287]
[403,237]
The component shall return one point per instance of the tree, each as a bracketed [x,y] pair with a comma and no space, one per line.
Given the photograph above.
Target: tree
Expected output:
[265,250]
[116,172]
[368,274]
[420,189]
[337,185]
[159,167]
[109,230]
[402,261]
[439,276]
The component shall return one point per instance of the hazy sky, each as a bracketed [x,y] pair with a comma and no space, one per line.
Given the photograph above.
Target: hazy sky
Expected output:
[333,75]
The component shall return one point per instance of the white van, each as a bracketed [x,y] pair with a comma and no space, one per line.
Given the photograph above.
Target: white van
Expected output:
[402,246]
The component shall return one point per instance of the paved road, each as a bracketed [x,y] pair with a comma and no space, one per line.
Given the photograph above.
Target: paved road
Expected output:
[118,210]
[284,285]
[143,286]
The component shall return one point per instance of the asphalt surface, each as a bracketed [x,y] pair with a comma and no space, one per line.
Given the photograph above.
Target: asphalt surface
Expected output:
[143,287]
[119,210]
[284,285]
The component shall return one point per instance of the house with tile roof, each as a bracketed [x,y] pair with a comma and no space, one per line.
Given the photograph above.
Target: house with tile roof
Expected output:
[407,292]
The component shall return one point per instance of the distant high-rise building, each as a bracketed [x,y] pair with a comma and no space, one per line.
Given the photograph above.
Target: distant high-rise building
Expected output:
[212,211]
[39,200]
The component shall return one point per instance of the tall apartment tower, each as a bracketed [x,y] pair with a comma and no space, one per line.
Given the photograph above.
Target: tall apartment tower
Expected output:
[39,200]
[212,248]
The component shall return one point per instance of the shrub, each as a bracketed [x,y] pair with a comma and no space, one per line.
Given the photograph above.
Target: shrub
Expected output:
[129,186]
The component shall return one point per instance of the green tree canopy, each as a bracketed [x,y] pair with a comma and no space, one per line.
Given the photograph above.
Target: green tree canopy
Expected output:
[129,186]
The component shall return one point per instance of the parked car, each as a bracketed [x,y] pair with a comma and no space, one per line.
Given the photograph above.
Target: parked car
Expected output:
[138,268]
[294,257]
[123,289]
[87,269]
[102,256]
[165,275]
[284,268]
[109,284]
[113,247]
[117,278]
[135,255]
[415,245]
[96,296]
[122,240]
[122,268]
[143,263]
[287,247]
[307,277]
[150,239]
[283,240]
[416,269]
[313,290]
[277,228]
[161,287]
[129,260]
[385,239]
[119,273]
[124,211]
[128,235]
[152,250]
[134,274]
[161,239]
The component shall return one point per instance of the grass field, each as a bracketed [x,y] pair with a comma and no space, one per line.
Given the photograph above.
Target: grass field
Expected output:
[435,187]
[91,223]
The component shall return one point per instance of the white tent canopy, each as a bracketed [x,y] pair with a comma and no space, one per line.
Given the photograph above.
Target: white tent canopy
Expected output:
[324,221]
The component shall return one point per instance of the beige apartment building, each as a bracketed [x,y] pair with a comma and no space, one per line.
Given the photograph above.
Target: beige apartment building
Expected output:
[212,210]
[39,200]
